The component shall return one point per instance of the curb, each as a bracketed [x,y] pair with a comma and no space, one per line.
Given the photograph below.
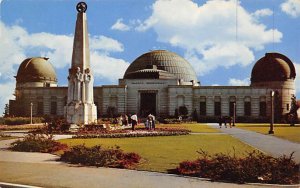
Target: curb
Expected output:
[9,185]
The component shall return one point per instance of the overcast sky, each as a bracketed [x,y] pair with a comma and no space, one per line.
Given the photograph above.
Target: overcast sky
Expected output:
[222,39]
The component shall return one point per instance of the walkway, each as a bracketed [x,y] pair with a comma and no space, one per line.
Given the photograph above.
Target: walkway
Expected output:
[266,143]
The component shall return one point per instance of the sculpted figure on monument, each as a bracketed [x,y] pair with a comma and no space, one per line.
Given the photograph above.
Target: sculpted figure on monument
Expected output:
[78,81]
[87,82]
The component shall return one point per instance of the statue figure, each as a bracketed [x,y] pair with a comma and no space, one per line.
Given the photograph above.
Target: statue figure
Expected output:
[87,85]
[77,89]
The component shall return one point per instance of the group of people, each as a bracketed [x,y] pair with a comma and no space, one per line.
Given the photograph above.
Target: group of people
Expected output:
[132,120]
[125,120]
[226,120]
[150,122]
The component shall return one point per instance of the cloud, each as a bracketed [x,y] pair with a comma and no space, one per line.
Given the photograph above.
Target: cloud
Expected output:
[263,12]
[105,44]
[17,44]
[291,8]
[7,90]
[108,67]
[119,25]
[237,82]
[207,32]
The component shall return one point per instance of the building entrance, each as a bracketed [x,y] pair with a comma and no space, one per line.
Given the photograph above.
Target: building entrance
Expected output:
[147,104]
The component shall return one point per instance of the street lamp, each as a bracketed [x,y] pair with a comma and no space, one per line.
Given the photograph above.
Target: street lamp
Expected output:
[234,107]
[271,131]
[31,112]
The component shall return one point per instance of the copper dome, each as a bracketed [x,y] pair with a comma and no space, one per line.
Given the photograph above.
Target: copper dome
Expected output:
[168,62]
[36,69]
[273,67]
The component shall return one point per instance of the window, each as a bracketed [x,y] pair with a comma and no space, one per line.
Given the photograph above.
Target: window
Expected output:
[203,108]
[40,108]
[287,106]
[53,109]
[262,108]
[247,106]
[217,106]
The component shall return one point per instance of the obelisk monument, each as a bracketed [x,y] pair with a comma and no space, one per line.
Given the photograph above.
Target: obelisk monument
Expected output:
[80,108]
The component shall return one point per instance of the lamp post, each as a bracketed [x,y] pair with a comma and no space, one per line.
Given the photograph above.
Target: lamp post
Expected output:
[271,131]
[31,112]
[234,107]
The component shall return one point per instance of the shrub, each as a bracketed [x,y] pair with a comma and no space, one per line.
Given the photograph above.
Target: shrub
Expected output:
[38,143]
[22,120]
[100,157]
[256,167]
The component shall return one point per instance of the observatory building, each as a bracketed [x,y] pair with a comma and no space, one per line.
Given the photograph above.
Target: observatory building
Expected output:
[157,82]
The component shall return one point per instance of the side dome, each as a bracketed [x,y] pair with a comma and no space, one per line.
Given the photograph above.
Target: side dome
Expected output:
[273,67]
[167,64]
[36,69]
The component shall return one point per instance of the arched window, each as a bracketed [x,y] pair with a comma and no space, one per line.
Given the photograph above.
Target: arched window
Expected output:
[202,106]
[217,106]
[263,106]
[247,106]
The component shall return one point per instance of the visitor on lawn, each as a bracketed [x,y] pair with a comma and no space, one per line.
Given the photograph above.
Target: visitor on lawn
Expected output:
[220,121]
[134,121]
[147,123]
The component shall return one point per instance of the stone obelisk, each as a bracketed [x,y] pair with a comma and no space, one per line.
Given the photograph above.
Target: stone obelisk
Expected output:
[80,108]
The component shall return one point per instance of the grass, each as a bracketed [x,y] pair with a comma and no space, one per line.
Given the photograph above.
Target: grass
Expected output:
[284,131]
[194,127]
[164,153]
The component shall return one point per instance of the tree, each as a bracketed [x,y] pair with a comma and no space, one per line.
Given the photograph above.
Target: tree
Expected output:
[292,115]
[195,115]
[6,111]
[183,110]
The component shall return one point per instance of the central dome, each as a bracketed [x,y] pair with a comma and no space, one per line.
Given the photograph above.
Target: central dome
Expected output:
[163,62]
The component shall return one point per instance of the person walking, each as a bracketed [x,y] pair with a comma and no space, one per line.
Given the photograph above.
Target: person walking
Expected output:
[220,121]
[134,120]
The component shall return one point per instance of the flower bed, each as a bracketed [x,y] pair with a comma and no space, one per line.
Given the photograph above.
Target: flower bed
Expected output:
[121,133]
[254,168]
[100,157]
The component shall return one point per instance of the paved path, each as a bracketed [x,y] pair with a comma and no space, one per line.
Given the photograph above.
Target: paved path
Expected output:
[62,175]
[266,143]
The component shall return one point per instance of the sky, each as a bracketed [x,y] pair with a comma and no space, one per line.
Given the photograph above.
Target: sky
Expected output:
[222,39]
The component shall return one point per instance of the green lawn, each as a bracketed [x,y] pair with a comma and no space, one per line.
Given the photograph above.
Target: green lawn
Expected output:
[163,153]
[194,127]
[284,131]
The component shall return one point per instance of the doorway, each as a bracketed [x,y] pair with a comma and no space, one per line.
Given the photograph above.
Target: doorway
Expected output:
[147,104]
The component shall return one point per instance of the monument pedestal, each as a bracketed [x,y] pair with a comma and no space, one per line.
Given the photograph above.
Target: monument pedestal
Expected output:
[81,113]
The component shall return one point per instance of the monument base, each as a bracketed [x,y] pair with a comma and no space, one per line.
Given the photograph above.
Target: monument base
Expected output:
[81,113]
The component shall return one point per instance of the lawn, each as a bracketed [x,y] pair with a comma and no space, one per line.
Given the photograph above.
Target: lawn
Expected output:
[284,131]
[163,153]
